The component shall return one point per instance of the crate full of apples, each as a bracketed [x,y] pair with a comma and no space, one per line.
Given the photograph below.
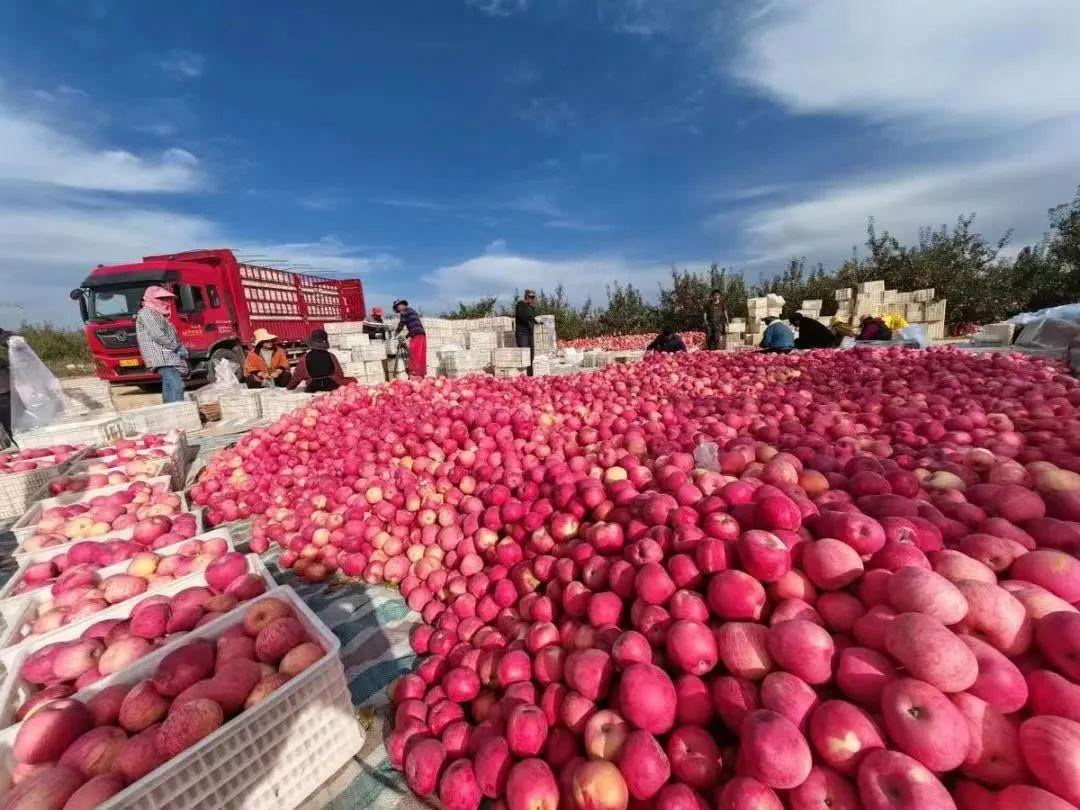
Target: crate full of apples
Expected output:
[252,710]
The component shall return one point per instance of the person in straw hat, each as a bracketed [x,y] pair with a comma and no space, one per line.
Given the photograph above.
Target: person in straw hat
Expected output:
[266,365]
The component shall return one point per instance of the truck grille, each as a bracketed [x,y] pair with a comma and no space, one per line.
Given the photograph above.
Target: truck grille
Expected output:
[120,338]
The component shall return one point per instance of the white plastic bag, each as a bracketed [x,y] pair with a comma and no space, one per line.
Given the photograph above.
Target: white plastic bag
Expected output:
[225,382]
[39,398]
[707,456]
[917,333]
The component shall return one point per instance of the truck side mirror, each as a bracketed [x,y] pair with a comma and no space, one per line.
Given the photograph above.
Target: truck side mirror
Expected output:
[75,295]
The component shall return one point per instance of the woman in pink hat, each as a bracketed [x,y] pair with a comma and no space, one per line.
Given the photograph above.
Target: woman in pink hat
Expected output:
[159,344]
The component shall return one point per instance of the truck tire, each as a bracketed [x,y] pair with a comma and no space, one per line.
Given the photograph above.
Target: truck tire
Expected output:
[232,355]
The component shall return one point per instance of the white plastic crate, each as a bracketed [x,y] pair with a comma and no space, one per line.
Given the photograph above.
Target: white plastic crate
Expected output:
[99,430]
[349,340]
[161,418]
[14,645]
[21,554]
[18,490]
[157,468]
[273,755]
[240,406]
[923,296]
[24,526]
[343,328]
[275,402]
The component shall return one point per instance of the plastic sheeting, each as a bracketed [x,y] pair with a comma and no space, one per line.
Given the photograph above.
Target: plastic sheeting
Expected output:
[40,398]
[1065,312]
[1049,333]
[707,456]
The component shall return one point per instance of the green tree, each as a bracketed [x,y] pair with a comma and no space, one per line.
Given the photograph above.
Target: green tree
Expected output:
[481,308]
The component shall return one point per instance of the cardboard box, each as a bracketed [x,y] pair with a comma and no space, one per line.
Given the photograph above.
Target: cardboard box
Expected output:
[843,294]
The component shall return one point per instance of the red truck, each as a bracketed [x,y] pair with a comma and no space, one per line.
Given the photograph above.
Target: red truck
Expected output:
[220,302]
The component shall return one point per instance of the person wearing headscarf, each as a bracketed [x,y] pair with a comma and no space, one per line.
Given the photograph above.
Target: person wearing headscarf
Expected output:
[813,334]
[375,326]
[716,320]
[871,328]
[317,367]
[266,365]
[159,344]
[778,337]
[668,341]
[414,328]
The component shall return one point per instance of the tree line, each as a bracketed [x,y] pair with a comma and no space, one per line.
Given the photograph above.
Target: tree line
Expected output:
[981,279]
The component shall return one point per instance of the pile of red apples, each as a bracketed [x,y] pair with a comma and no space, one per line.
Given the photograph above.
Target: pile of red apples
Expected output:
[628,343]
[831,579]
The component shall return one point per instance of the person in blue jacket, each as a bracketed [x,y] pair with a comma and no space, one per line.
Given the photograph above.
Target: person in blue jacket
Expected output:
[778,336]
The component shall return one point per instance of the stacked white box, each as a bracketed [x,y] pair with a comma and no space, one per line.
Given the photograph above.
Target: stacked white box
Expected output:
[843,294]
[736,326]
[876,286]
[541,365]
[935,310]
[343,355]
[811,303]
[344,328]
[349,341]
[508,372]
[369,353]
[510,358]
[924,295]
[914,313]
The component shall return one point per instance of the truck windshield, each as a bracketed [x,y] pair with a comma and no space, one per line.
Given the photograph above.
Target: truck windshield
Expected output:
[112,303]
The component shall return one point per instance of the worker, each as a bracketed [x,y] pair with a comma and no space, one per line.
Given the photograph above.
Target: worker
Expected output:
[813,334]
[871,328]
[524,321]
[414,328]
[6,391]
[716,320]
[778,337]
[159,344]
[266,365]
[375,326]
[668,341]
[317,367]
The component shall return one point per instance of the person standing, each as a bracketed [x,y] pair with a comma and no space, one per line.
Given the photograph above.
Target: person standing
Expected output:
[159,344]
[414,328]
[376,327]
[524,321]
[716,320]
[266,365]
[6,390]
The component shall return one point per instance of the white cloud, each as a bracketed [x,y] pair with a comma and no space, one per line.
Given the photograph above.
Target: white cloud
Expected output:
[502,274]
[993,61]
[34,152]
[183,64]
[548,114]
[498,8]
[496,247]
[976,91]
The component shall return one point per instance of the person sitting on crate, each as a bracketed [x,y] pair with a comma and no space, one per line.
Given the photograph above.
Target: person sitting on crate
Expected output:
[813,334]
[159,344]
[318,367]
[667,342]
[266,365]
[778,337]
[414,328]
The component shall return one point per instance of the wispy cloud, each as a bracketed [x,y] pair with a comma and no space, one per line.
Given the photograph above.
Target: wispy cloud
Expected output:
[576,225]
[326,200]
[34,152]
[60,93]
[182,64]
[499,8]
[548,114]
[536,203]
[412,202]
[523,72]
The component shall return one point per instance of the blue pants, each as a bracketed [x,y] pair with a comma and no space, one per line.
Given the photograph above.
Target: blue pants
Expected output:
[172,384]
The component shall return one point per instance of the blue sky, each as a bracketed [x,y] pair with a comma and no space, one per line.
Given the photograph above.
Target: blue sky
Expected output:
[449,149]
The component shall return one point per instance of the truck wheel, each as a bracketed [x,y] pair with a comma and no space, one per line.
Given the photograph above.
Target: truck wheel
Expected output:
[232,355]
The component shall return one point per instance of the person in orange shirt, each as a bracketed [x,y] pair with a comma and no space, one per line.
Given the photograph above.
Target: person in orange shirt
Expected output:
[266,365]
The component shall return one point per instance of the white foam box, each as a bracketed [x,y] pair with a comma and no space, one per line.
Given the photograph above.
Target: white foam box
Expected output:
[936,330]
[507,372]
[482,340]
[811,303]
[995,333]
[772,300]
[370,352]
[924,295]
[890,297]
[344,328]
[273,755]
[843,294]
[914,313]
[935,310]
[876,286]
[23,609]
[349,340]
[375,368]
[510,358]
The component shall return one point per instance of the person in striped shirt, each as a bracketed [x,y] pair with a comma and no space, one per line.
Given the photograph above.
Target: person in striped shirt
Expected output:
[159,344]
[410,321]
